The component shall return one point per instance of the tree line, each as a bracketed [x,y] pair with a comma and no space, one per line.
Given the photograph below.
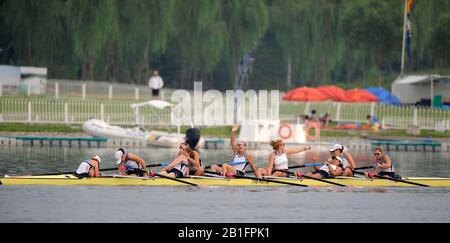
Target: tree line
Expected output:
[292,42]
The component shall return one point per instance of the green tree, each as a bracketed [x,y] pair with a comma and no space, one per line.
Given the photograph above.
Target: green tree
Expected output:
[93,23]
[246,22]
[199,39]
[373,26]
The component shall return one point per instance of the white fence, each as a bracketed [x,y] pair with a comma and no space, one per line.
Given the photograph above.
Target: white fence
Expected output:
[84,90]
[77,112]
[119,112]
[392,117]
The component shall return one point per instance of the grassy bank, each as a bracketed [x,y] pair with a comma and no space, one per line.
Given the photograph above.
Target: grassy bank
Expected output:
[20,127]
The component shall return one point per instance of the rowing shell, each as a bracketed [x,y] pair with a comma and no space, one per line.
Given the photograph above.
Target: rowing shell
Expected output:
[68,179]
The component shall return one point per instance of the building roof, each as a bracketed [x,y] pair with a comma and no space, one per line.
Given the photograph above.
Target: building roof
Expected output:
[420,79]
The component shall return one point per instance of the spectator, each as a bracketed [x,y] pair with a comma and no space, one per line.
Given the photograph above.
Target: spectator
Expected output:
[311,122]
[155,83]
[324,119]
[373,122]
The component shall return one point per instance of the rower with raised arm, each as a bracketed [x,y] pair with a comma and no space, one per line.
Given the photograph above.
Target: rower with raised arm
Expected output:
[89,168]
[348,164]
[179,167]
[242,159]
[129,163]
[278,161]
[329,169]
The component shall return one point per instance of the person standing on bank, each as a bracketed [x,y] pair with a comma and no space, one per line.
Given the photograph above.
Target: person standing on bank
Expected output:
[155,83]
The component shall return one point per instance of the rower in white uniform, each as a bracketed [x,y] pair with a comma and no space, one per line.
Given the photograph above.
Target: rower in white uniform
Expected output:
[242,159]
[278,161]
[329,169]
[89,168]
[348,164]
[179,167]
[129,163]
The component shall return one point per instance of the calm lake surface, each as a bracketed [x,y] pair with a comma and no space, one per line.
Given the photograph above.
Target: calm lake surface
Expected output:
[216,204]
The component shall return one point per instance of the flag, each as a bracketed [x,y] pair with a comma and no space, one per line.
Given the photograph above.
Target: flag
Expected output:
[409,5]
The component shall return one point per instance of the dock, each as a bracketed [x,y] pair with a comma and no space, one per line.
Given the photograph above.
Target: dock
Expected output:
[90,142]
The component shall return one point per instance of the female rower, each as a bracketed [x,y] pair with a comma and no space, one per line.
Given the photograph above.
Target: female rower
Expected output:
[278,162]
[383,165]
[179,167]
[89,168]
[129,163]
[241,158]
[348,164]
[195,161]
[329,169]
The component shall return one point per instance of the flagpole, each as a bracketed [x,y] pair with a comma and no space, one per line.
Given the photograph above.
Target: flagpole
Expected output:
[404,39]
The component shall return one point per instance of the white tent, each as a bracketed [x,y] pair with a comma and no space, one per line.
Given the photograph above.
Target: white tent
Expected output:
[413,88]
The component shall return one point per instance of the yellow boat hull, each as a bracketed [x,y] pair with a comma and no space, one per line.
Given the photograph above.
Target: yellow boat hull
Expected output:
[63,180]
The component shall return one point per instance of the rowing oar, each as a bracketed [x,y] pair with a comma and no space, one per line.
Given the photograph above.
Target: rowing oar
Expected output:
[152,173]
[364,167]
[317,179]
[105,169]
[305,165]
[310,177]
[259,179]
[229,163]
[393,179]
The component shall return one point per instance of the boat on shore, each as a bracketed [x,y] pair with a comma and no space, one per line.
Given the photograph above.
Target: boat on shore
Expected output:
[116,180]
[101,129]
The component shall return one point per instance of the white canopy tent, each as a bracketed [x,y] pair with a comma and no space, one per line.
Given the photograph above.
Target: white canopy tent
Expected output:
[413,88]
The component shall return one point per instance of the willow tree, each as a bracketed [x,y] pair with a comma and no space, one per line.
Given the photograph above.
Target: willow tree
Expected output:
[93,23]
[36,28]
[199,39]
[145,27]
[246,22]
[374,26]
[285,18]
[426,19]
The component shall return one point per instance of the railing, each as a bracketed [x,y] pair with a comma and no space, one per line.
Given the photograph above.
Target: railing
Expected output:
[119,112]
[55,88]
[392,117]
[77,112]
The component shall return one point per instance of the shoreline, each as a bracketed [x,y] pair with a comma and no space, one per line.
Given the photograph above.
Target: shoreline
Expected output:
[223,132]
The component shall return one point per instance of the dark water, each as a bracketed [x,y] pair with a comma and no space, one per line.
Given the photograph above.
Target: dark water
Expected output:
[216,204]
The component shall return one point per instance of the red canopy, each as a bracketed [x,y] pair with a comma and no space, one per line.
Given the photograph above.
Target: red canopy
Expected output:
[359,95]
[334,93]
[304,94]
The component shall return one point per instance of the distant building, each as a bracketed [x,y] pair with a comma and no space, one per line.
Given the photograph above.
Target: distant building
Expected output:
[421,89]
[15,79]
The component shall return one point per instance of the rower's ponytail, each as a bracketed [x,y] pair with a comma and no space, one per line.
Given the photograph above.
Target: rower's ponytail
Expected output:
[276,143]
